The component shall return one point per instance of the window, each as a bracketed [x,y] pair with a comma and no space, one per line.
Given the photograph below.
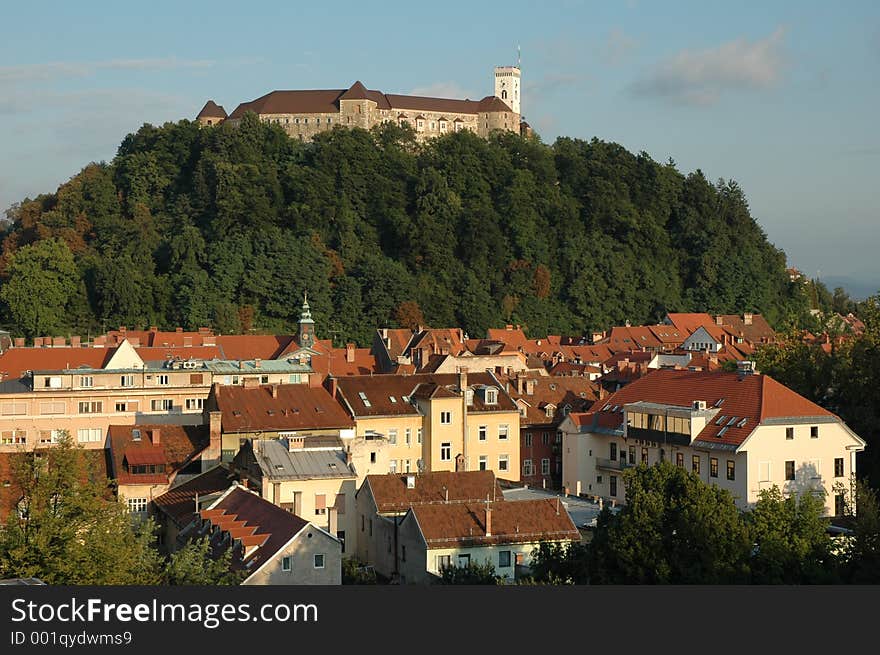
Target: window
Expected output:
[632,455]
[195,378]
[264,379]
[491,396]
[137,505]
[51,408]
[408,436]
[445,451]
[444,562]
[789,433]
[162,405]
[731,470]
[612,485]
[679,460]
[445,418]
[839,505]
[392,466]
[13,437]
[482,430]
[53,382]
[527,467]
[87,381]
[789,470]
[695,464]
[645,456]
[89,435]
[419,435]
[364,400]
[598,479]
[49,436]
[502,462]
[545,438]
[464,560]
[285,563]
[392,436]
[126,380]
[372,458]
[503,559]
[319,561]
[122,406]
[545,466]
[320,504]
[484,462]
[91,407]
[814,432]
[713,467]
[503,431]
[613,455]
[162,379]
[838,467]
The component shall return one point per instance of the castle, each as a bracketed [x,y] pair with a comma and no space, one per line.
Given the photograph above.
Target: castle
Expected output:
[303,114]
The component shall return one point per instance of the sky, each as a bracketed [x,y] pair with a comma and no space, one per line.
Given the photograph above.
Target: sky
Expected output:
[783,97]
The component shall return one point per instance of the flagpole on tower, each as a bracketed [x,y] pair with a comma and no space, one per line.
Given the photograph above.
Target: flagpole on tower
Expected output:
[518,55]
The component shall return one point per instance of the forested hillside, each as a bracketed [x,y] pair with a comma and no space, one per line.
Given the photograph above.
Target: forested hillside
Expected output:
[227,226]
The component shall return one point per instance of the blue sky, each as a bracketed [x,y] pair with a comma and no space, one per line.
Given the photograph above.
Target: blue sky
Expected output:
[781,96]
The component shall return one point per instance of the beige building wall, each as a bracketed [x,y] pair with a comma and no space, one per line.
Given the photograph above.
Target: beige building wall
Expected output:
[404,440]
[375,534]
[302,549]
[494,447]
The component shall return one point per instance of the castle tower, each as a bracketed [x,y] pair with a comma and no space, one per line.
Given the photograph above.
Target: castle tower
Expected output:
[507,86]
[306,325]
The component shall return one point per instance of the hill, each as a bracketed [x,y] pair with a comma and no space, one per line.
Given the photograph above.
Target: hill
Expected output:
[228,226]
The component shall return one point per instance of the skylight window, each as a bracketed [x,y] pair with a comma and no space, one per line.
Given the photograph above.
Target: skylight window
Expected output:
[720,419]
[742,423]
[392,399]
[722,431]
[719,402]
[733,419]
[364,400]
[605,409]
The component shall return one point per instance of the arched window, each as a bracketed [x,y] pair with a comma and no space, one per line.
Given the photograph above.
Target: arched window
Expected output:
[504,95]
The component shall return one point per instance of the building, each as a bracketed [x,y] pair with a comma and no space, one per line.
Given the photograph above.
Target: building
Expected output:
[437,422]
[211,114]
[311,477]
[503,534]
[146,460]
[271,545]
[383,500]
[742,432]
[306,113]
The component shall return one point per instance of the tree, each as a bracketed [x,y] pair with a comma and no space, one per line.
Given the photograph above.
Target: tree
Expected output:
[193,565]
[470,574]
[790,538]
[68,529]
[409,315]
[674,529]
[44,271]
[861,549]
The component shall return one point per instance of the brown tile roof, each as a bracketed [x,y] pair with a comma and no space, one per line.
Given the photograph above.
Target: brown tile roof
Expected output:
[159,339]
[689,322]
[380,389]
[391,494]
[249,346]
[314,101]
[336,363]
[356,91]
[751,397]
[179,502]
[212,110]
[16,361]
[270,526]
[295,407]
[493,103]
[578,393]
[178,445]
[525,521]
[399,340]
[420,103]
[566,369]
[759,331]
[513,338]
[95,465]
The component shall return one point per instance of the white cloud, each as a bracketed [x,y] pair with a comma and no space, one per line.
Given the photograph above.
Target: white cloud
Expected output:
[700,77]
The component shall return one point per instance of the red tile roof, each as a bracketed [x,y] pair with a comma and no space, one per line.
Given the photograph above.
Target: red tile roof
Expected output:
[250,346]
[689,322]
[179,502]
[178,445]
[391,494]
[445,525]
[578,393]
[212,110]
[294,407]
[16,361]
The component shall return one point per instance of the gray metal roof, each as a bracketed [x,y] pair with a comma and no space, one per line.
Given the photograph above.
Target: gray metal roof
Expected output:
[278,463]
[249,366]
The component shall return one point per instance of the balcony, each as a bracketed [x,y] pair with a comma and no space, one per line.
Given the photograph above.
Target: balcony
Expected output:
[612,464]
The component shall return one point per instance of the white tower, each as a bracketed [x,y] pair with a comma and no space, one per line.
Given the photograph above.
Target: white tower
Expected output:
[507,86]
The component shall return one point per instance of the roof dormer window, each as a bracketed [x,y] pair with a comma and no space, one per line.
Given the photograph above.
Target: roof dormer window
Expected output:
[491,396]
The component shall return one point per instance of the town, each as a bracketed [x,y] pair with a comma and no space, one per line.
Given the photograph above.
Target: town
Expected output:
[429,452]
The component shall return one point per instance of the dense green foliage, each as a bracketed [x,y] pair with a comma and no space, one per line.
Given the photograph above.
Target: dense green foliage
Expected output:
[471,574]
[227,226]
[677,529]
[844,380]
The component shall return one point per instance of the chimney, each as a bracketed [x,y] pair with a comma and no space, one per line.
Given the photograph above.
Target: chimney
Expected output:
[240,365]
[295,443]
[348,458]
[334,384]
[47,342]
[462,378]
[75,341]
[122,329]
[349,353]
[19,342]
[719,320]
[134,341]
[153,328]
[488,520]
[156,436]
[274,390]
[520,383]
[59,342]
[747,319]
[211,455]
[179,330]
[256,362]
[187,342]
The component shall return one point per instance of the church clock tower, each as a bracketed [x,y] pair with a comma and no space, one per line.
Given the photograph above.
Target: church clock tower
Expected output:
[306,325]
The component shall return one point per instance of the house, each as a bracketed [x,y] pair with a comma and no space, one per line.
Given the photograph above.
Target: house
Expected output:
[437,422]
[271,545]
[383,500]
[146,460]
[743,432]
[544,403]
[311,477]
[503,534]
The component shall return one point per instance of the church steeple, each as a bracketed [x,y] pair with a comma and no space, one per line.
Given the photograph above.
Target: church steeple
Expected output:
[306,324]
